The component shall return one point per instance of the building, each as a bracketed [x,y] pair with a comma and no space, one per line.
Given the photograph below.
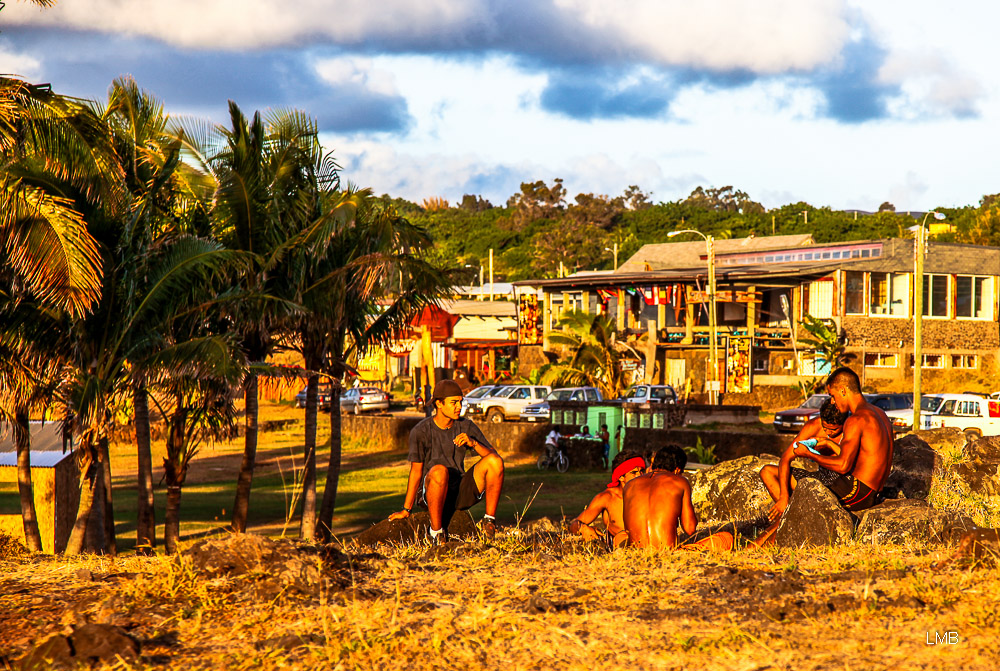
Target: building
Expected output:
[765,286]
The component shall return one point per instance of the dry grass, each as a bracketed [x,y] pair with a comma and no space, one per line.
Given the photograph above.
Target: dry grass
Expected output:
[518,605]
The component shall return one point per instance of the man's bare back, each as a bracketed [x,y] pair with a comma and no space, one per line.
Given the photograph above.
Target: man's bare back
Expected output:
[653,505]
[874,460]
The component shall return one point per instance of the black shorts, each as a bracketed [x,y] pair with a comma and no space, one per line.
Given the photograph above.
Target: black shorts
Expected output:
[462,491]
[853,494]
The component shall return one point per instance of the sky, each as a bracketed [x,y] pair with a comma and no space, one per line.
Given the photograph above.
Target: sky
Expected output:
[837,103]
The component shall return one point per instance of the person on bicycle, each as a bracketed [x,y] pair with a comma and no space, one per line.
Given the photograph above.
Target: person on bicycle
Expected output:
[552,444]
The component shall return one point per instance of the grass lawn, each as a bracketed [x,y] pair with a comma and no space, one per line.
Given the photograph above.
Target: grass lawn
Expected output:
[372,483]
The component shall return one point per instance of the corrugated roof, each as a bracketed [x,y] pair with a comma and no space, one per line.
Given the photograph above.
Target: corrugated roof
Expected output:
[464,308]
[671,255]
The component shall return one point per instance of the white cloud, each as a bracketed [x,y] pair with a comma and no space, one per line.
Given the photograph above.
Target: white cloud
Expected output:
[14,63]
[356,72]
[764,36]
[931,85]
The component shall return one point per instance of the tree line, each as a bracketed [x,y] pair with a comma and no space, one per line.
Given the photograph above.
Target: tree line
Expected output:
[151,267]
[539,228]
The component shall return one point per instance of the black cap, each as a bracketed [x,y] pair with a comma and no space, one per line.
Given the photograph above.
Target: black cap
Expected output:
[445,389]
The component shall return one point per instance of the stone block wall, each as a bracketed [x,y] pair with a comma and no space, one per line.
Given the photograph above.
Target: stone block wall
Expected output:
[392,432]
[938,334]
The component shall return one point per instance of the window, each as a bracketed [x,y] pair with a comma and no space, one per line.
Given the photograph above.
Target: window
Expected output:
[760,366]
[930,361]
[881,360]
[854,293]
[968,408]
[948,408]
[970,361]
[935,295]
[821,299]
[591,395]
[888,294]
[640,392]
[974,297]
[521,393]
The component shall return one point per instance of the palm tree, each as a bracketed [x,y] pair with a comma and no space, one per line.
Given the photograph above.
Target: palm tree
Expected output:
[595,354]
[359,303]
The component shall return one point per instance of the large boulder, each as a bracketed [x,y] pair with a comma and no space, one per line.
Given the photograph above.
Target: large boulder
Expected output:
[985,450]
[945,441]
[814,517]
[707,485]
[914,465]
[415,528]
[909,520]
[978,477]
[87,645]
[743,498]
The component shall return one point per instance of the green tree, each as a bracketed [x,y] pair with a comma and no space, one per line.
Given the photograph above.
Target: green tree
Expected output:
[594,354]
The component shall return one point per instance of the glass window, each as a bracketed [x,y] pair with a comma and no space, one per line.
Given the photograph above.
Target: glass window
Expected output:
[640,392]
[591,395]
[948,408]
[880,360]
[974,297]
[854,293]
[930,403]
[935,295]
[888,294]
[929,361]
[820,299]
[964,361]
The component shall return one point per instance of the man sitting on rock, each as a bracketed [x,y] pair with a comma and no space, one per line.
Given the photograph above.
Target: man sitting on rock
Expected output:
[438,479]
[827,426]
[654,503]
[860,462]
[608,503]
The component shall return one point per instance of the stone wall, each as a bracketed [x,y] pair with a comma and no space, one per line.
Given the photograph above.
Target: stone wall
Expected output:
[769,398]
[728,444]
[941,334]
[393,432]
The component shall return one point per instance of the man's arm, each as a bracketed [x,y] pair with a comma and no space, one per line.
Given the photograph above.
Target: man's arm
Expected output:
[689,521]
[850,446]
[596,506]
[475,439]
[412,486]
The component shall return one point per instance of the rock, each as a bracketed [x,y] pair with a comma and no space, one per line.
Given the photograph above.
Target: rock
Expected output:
[814,517]
[980,544]
[542,525]
[281,564]
[986,450]
[914,465]
[908,520]
[979,477]
[414,529]
[708,484]
[86,645]
[946,440]
[743,498]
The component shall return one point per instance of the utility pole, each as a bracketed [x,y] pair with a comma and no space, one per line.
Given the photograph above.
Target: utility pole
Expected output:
[712,325]
[616,256]
[918,314]
[491,274]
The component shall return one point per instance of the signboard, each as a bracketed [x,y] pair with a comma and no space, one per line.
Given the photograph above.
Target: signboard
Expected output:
[528,332]
[726,296]
[739,351]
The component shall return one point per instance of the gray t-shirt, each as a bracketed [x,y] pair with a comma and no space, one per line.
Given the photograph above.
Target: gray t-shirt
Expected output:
[431,445]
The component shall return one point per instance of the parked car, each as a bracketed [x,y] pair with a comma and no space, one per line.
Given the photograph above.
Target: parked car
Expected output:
[973,414]
[790,421]
[361,399]
[540,412]
[478,393]
[650,393]
[507,403]
[323,396]
[891,401]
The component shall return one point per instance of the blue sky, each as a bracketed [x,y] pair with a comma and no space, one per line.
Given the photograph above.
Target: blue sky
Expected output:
[834,102]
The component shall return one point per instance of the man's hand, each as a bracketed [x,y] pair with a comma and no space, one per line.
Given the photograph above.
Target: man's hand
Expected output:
[401,515]
[574,526]
[778,509]
[463,440]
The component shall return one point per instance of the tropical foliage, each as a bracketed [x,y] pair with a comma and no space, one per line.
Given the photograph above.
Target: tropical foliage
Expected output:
[594,355]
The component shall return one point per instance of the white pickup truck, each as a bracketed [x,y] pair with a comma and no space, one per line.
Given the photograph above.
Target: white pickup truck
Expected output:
[974,415]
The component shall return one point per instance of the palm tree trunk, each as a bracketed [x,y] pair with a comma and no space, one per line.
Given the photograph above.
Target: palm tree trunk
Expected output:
[88,482]
[22,438]
[145,534]
[172,519]
[325,525]
[307,527]
[242,503]
[109,512]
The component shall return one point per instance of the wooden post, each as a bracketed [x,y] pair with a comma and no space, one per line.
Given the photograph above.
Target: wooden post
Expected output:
[585,302]
[661,314]
[688,321]
[650,351]
[427,354]
[751,312]
[620,316]
[565,302]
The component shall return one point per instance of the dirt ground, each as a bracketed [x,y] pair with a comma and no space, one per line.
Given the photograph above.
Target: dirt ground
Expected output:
[528,601]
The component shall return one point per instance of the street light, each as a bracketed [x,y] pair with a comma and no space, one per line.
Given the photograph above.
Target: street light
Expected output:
[713,356]
[615,252]
[920,241]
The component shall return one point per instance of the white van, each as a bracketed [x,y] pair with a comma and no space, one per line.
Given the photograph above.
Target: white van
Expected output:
[972,414]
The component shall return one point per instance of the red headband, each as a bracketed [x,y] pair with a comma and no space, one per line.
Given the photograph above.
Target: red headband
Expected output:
[625,467]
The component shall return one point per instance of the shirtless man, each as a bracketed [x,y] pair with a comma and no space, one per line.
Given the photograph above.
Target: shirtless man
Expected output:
[608,504]
[657,501]
[829,424]
[860,463]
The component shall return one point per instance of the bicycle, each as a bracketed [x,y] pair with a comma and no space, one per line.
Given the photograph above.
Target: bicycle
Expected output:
[555,458]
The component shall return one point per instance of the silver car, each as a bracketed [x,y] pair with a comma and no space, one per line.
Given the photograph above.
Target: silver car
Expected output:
[361,399]
[540,412]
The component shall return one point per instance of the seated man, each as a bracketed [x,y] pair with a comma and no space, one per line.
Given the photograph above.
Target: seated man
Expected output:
[827,428]
[608,503]
[654,503]
[860,463]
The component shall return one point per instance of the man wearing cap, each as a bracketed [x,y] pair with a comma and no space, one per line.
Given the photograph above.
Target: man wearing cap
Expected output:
[438,479]
[608,503]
